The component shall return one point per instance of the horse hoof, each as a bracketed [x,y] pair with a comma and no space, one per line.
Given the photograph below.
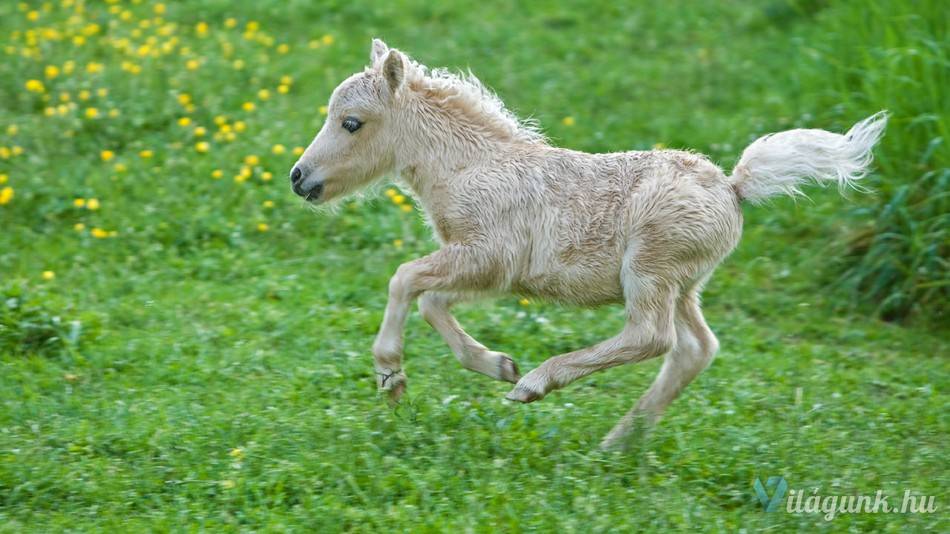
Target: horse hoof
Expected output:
[508,370]
[523,394]
[395,393]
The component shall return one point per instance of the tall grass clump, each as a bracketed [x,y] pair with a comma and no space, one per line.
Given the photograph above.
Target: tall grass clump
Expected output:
[893,54]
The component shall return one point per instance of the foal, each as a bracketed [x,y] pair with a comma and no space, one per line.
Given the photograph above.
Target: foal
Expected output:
[514,214]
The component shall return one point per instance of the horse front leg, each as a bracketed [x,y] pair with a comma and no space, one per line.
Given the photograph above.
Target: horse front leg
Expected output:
[453,268]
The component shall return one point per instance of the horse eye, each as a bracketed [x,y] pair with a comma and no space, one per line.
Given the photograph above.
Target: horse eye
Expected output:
[351,124]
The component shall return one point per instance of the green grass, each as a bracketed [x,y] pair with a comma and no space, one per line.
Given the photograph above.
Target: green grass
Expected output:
[195,373]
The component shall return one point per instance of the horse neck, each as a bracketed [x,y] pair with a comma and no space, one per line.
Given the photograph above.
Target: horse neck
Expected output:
[435,148]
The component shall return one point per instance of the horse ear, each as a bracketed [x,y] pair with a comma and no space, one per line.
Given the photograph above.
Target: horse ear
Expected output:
[394,69]
[377,51]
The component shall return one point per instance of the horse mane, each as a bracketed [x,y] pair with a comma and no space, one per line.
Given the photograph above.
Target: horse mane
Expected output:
[463,93]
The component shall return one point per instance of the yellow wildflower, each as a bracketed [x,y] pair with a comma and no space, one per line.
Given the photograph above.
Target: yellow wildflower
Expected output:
[323,110]
[236,452]
[283,48]
[298,150]
[200,131]
[268,204]
[84,95]
[397,243]
[145,154]
[120,167]
[524,302]
[398,199]
[99,233]
[230,23]
[568,121]
[251,160]
[48,275]
[79,227]
[283,89]
[106,155]
[4,178]
[406,207]
[327,39]
[248,106]
[286,80]
[267,176]
[79,202]
[51,71]
[92,113]
[217,174]
[92,204]
[262,227]
[184,121]
[184,99]
[201,28]
[263,94]
[12,129]
[102,92]
[202,146]
[240,126]
[6,195]
[391,192]
[35,86]
[278,149]
[192,64]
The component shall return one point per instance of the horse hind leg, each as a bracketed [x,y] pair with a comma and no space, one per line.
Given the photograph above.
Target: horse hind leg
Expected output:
[694,350]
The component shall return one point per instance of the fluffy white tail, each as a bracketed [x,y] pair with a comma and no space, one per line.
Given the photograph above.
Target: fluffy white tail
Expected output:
[779,163]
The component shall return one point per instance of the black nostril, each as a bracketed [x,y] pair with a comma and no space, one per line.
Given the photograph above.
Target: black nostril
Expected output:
[295,175]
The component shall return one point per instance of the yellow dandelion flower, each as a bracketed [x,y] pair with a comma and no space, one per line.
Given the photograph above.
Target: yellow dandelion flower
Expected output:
[314,44]
[524,302]
[120,167]
[220,119]
[51,71]
[229,136]
[12,129]
[200,131]
[227,484]
[225,128]
[240,178]
[252,26]
[192,64]
[286,80]
[79,227]
[262,227]
[251,160]
[267,176]
[568,121]
[6,195]
[159,9]
[268,204]
[278,149]
[298,150]
[202,146]
[92,113]
[217,174]
[34,86]
[398,199]
[397,243]
[323,110]
[230,23]
[16,150]
[248,106]
[49,111]
[113,113]
[69,66]
[102,92]
[92,204]
[240,126]
[3,178]
[84,95]
[391,192]
[246,171]
[99,233]
[406,208]
[106,155]
[283,48]
[64,97]
[32,15]
[263,94]
[145,154]
[201,28]
[94,68]
[236,452]
[184,99]
[5,152]
[184,121]
[283,89]
[79,202]
[327,39]
[48,275]
[238,64]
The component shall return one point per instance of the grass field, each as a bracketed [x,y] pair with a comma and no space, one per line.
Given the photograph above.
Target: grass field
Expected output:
[184,345]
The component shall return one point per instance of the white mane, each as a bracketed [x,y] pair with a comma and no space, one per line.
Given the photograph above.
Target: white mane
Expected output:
[465,93]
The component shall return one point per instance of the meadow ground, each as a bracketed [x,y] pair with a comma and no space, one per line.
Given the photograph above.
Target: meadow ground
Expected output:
[185,345]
